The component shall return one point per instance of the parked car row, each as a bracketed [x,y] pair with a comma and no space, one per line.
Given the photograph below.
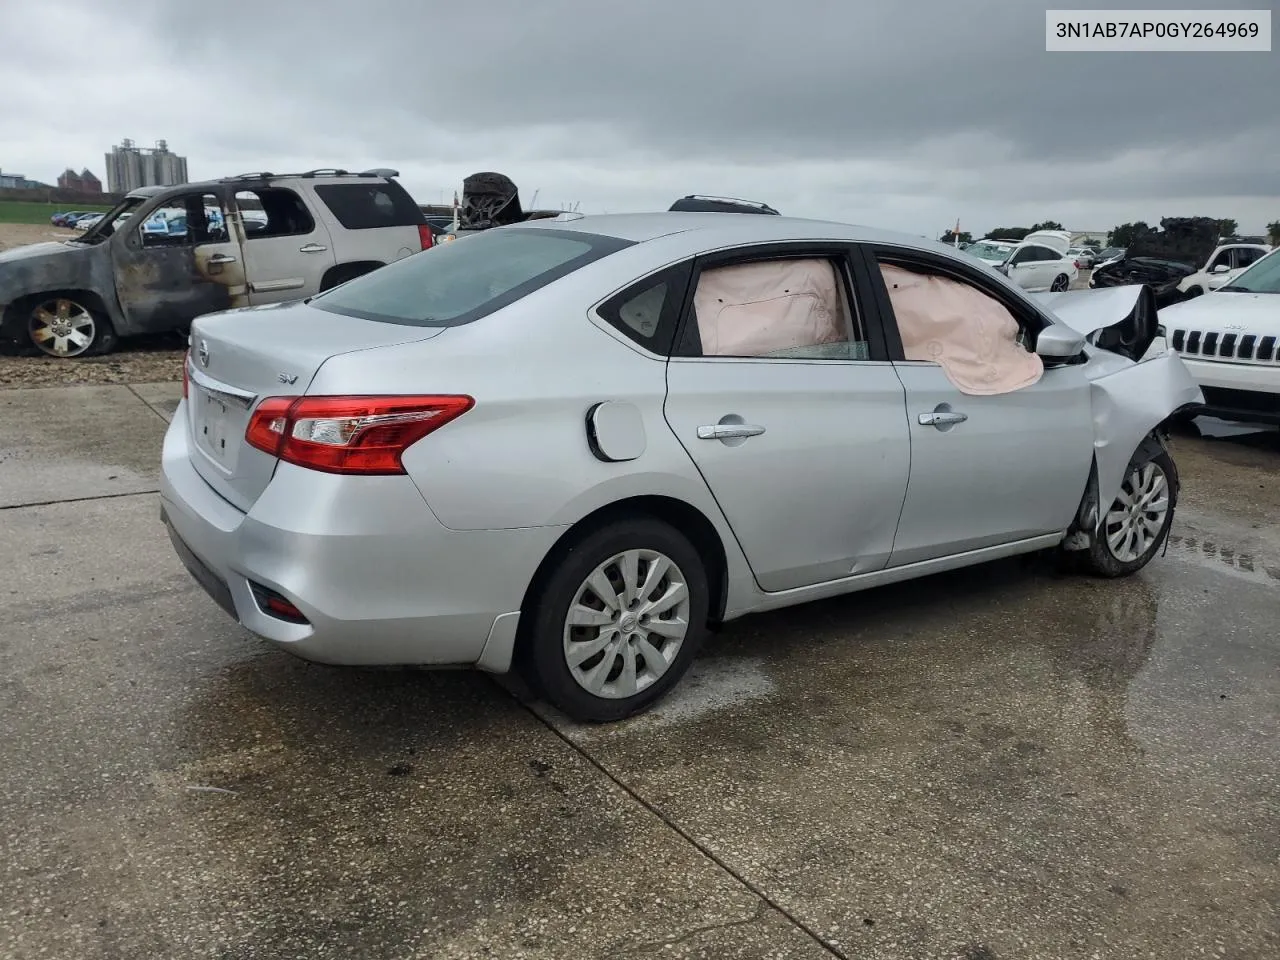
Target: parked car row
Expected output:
[70,218]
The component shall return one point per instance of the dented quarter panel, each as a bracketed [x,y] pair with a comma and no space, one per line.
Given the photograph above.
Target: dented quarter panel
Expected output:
[1129,401]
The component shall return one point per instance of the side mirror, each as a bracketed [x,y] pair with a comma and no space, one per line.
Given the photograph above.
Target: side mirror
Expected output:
[1059,342]
[1221,268]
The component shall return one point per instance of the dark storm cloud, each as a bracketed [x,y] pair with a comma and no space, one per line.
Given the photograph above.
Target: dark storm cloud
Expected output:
[905,113]
[762,81]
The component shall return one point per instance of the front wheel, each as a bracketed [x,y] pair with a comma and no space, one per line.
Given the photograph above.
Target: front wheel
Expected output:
[1136,525]
[1194,292]
[618,621]
[65,327]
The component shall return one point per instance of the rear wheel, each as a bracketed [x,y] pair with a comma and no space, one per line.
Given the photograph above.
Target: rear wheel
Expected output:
[66,327]
[1060,282]
[618,621]
[1137,524]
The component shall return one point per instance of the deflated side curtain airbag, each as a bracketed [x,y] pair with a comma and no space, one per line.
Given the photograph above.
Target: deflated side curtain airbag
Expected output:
[757,309]
[972,336]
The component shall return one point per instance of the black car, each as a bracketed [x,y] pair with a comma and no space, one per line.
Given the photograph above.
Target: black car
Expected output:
[696,203]
[1163,258]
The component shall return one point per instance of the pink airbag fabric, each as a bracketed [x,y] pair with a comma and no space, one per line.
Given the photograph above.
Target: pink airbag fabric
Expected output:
[754,309]
[972,336]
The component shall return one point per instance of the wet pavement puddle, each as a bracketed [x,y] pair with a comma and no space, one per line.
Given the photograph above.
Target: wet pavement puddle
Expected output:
[1205,552]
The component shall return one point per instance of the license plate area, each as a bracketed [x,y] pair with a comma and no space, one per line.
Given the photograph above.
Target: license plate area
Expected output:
[217,423]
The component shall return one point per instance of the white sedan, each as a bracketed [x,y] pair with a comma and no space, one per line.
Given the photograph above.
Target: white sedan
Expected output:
[1041,262]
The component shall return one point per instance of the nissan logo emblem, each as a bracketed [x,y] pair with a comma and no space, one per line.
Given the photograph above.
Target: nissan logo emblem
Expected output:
[202,353]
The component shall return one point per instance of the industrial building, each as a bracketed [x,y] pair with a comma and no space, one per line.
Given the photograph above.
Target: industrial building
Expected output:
[130,166]
[82,182]
[16,181]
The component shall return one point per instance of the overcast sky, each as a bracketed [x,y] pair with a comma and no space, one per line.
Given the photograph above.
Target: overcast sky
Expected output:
[904,114]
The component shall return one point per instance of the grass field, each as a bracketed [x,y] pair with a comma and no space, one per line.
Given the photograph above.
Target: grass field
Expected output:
[22,211]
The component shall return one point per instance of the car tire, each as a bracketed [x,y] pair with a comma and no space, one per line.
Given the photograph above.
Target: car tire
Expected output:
[599,670]
[1060,283]
[1131,532]
[67,327]
[1194,292]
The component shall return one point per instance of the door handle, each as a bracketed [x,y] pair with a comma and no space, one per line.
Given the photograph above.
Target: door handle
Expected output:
[942,418]
[312,248]
[221,258]
[729,431]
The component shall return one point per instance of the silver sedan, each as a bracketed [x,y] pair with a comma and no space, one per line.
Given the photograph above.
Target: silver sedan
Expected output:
[570,447]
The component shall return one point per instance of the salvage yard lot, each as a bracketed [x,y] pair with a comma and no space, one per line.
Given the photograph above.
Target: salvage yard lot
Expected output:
[995,763]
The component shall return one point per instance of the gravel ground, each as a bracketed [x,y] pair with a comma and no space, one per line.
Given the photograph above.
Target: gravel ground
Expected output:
[144,360]
[141,363]
[19,234]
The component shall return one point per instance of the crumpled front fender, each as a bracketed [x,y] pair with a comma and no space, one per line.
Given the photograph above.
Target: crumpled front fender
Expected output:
[1129,401]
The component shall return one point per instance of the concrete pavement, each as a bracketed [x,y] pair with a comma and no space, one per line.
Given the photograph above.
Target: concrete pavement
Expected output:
[996,763]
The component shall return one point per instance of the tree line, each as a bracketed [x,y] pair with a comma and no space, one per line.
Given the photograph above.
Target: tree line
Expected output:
[1121,235]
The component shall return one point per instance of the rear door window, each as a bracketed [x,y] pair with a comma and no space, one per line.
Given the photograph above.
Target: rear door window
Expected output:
[366,205]
[469,278]
[273,212]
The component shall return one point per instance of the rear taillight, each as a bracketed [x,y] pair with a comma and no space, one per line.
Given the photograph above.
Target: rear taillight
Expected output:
[361,435]
[425,236]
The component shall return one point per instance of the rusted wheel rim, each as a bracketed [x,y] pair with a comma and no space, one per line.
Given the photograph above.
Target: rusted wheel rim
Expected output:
[61,327]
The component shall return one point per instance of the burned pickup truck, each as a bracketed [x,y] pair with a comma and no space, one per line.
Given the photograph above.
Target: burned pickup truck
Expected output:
[166,255]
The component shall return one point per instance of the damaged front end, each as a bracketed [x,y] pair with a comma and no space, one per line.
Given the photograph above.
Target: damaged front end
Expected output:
[1134,392]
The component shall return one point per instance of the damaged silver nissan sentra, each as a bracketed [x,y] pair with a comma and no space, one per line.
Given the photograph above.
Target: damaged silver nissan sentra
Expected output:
[570,447]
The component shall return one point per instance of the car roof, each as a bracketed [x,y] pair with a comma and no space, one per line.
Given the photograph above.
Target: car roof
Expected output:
[728,229]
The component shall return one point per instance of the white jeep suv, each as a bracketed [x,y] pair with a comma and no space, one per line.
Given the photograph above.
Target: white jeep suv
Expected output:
[1230,342]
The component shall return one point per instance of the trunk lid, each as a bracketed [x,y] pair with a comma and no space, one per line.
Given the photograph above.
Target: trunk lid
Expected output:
[239,357]
[1058,240]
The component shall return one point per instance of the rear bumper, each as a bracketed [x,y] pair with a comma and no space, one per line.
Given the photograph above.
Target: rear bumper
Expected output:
[379,580]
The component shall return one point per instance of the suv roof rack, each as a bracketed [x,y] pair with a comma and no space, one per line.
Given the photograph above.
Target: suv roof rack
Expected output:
[386,172]
[705,203]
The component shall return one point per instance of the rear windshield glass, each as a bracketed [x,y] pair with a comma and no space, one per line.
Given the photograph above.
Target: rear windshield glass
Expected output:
[467,278]
[366,205]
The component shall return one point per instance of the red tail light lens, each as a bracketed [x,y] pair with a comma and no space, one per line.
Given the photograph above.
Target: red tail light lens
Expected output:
[426,236]
[355,435]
